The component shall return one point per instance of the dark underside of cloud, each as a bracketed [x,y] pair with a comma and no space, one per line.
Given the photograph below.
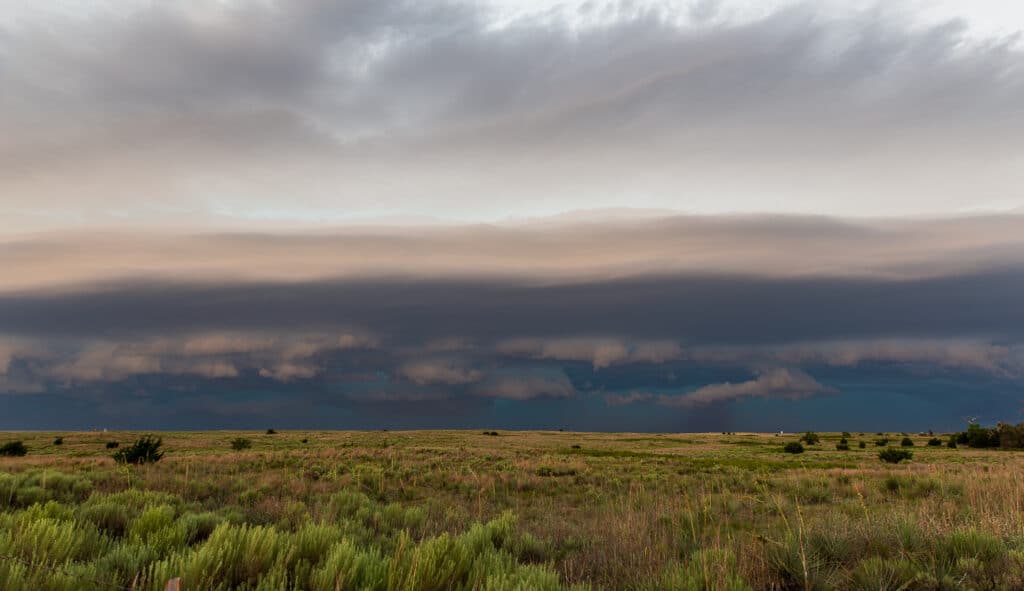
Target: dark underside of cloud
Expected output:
[698,308]
[691,351]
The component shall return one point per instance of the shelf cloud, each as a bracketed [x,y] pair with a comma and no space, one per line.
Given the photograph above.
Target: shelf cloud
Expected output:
[437,214]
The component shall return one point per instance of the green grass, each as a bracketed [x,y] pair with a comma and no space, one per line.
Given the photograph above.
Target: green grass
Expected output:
[525,510]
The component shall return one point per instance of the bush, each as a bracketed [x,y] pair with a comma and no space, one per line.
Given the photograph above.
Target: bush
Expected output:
[907,442]
[810,438]
[846,434]
[58,441]
[793,447]
[843,446]
[271,432]
[952,442]
[978,436]
[240,443]
[13,449]
[861,444]
[304,440]
[894,456]
[113,445]
[934,442]
[144,451]
[882,442]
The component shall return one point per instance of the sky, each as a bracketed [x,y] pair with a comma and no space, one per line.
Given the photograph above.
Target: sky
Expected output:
[629,216]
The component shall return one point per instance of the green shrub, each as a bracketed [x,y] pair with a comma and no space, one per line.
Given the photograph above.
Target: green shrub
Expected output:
[934,442]
[876,573]
[846,434]
[907,442]
[793,447]
[271,432]
[882,442]
[861,444]
[144,451]
[893,455]
[710,568]
[240,443]
[810,438]
[58,441]
[952,441]
[843,446]
[110,517]
[113,445]
[13,449]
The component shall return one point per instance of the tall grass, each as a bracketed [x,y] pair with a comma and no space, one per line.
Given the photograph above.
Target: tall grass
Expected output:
[449,510]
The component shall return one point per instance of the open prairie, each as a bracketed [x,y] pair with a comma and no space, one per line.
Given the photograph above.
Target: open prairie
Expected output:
[507,510]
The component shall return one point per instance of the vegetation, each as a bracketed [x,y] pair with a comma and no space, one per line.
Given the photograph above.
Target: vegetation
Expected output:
[810,438]
[907,442]
[893,455]
[527,510]
[112,445]
[1003,435]
[793,447]
[13,449]
[58,441]
[240,443]
[146,450]
[934,442]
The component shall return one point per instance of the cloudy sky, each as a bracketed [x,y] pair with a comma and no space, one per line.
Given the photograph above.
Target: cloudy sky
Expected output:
[691,215]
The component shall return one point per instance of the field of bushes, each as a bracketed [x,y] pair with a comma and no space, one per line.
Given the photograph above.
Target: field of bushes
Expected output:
[508,510]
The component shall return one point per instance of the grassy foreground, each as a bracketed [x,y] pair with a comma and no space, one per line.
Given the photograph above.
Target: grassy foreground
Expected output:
[440,510]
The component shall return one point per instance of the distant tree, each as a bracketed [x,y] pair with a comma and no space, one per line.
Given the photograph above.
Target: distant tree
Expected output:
[1010,436]
[144,451]
[271,432]
[13,449]
[793,447]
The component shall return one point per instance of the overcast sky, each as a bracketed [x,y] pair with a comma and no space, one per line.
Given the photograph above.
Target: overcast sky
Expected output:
[596,215]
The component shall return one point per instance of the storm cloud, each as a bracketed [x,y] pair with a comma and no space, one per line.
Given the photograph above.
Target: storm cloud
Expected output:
[594,215]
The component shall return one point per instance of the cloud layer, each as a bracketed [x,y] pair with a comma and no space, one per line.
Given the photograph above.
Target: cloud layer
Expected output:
[248,209]
[307,110]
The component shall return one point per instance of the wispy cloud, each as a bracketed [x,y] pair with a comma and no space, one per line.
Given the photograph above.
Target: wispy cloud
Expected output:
[776,383]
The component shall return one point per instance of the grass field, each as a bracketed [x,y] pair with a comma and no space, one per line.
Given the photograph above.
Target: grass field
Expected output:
[514,510]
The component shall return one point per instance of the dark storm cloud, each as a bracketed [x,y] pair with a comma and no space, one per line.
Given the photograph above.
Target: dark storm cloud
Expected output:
[694,308]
